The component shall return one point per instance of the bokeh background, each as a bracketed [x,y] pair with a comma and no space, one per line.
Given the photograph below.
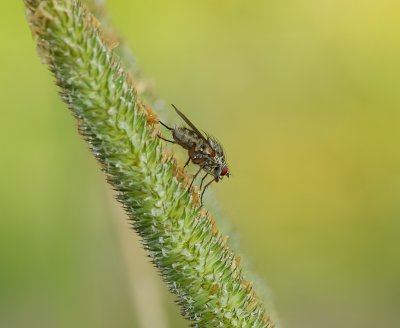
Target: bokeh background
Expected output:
[305,97]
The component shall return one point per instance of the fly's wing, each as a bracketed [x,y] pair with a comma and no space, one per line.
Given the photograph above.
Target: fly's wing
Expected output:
[196,130]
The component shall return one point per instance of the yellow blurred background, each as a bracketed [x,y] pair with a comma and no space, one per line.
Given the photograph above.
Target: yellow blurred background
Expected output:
[304,96]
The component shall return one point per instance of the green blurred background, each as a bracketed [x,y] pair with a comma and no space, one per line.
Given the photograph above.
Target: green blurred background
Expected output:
[305,97]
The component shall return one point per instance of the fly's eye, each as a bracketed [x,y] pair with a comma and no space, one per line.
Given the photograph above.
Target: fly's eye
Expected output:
[225,171]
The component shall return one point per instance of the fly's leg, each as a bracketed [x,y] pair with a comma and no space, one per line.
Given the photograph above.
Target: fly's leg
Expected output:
[191,154]
[202,180]
[159,135]
[195,176]
[202,194]
[171,129]
[187,162]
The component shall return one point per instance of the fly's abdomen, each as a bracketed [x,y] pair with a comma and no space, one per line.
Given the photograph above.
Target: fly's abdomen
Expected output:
[186,138]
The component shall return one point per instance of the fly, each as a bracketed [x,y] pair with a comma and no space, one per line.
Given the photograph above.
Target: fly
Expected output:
[203,150]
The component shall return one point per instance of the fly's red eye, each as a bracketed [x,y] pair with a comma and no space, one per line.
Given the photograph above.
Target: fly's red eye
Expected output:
[224,171]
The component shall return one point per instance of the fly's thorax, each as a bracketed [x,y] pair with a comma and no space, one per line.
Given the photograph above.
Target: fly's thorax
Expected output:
[219,152]
[215,165]
[214,169]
